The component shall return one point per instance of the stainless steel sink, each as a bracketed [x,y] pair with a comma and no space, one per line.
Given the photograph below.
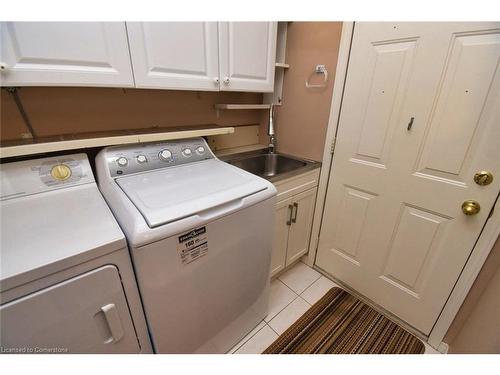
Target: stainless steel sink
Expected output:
[271,166]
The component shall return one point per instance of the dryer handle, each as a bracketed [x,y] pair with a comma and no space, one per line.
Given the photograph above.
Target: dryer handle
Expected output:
[113,320]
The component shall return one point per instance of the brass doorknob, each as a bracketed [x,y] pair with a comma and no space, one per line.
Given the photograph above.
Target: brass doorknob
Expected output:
[471,207]
[483,178]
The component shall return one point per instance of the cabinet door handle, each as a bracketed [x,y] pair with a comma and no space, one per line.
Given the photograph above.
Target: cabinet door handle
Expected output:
[296,205]
[290,211]
[113,321]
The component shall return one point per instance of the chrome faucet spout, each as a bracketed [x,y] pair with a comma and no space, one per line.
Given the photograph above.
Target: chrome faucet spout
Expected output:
[270,130]
[272,144]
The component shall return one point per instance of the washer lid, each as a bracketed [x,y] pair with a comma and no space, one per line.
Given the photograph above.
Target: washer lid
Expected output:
[170,194]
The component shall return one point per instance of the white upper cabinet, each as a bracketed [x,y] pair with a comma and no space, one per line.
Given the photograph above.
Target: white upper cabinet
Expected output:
[247,55]
[65,54]
[204,56]
[175,55]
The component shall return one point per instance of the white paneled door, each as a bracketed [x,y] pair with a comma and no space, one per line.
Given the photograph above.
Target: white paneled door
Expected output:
[420,117]
[247,55]
[175,55]
[65,54]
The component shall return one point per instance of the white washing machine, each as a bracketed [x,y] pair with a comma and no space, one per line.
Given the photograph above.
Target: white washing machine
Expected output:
[200,235]
[66,279]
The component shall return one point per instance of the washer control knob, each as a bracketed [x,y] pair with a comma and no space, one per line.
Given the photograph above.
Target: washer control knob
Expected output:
[200,150]
[60,172]
[122,161]
[187,152]
[141,159]
[165,155]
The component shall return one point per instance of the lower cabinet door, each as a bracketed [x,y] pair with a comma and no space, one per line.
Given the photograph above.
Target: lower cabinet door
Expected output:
[85,314]
[281,229]
[300,230]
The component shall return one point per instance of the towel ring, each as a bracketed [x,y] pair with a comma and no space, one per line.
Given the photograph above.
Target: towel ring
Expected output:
[320,69]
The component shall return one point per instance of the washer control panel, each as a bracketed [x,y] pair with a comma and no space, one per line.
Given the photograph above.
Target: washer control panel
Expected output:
[127,159]
[36,176]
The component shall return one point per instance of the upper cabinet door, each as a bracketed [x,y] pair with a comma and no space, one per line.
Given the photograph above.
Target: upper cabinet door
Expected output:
[65,54]
[175,55]
[247,54]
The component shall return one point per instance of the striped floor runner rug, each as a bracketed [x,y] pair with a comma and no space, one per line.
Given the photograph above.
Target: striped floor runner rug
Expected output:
[341,324]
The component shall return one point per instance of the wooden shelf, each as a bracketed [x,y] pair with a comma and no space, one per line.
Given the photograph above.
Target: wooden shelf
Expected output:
[242,106]
[240,149]
[282,65]
[101,139]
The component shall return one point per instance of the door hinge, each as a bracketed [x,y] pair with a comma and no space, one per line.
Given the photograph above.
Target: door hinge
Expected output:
[332,146]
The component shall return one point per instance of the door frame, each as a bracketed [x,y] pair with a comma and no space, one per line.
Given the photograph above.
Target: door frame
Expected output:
[479,253]
[484,244]
[331,132]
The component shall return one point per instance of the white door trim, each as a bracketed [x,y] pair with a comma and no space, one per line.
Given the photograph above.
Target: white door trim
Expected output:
[338,92]
[483,246]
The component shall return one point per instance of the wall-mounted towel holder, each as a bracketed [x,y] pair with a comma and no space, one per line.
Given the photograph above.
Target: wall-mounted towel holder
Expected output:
[320,69]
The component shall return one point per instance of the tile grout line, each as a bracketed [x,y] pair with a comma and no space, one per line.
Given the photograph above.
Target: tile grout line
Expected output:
[286,307]
[319,277]
[307,287]
[312,284]
[272,329]
[296,295]
[303,299]
[243,343]
[307,303]
[279,278]
[267,323]
[264,320]
[281,281]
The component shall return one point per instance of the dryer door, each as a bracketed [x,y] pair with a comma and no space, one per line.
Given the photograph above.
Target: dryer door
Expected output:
[85,314]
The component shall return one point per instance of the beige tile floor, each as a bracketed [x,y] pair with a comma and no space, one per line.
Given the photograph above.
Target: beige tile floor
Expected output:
[291,294]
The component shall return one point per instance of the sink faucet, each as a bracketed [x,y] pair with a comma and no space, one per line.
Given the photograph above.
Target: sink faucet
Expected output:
[270,130]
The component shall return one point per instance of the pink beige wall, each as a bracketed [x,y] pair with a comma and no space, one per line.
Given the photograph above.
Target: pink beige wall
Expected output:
[302,121]
[72,110]
[476,328]
[11,122]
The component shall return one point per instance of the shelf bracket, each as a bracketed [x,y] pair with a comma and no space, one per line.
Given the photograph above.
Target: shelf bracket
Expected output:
[13,92]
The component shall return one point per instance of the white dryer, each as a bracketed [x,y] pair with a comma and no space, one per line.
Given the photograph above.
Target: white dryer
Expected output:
[200,235]
[66,279]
